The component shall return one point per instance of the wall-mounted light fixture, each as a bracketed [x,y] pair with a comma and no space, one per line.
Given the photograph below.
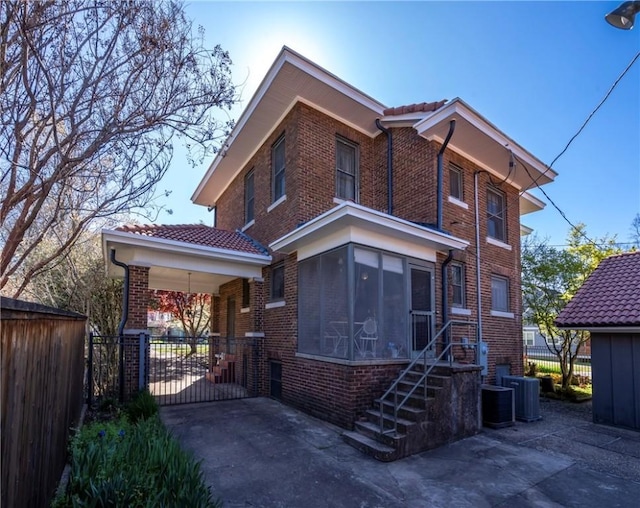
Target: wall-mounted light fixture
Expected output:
[624,15]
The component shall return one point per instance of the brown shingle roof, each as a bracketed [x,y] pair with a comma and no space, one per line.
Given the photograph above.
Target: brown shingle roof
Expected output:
[198,234]
[415,108]
[609,297]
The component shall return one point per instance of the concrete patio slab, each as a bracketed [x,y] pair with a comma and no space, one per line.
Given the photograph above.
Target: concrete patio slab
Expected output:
[259,452]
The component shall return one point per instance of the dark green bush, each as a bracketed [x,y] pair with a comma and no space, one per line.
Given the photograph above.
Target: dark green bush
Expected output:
[134,465]
[142,406]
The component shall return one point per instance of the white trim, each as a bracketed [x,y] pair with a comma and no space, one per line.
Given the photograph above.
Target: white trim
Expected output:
[460,311]
[457,202]
[498,243]
[248,225]
[244,310]
[525,230]
[273,305]
[256,279]
[281,199]
[604,329]
[499,313]
[254,334]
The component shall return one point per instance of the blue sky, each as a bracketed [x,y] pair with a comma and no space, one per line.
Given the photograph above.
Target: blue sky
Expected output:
[534,69]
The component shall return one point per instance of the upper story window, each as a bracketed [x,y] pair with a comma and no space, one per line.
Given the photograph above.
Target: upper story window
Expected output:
[346,169]
[277,282]
[249,197]
[455,183]
[457,284]
[499,293]
[496,214]
[246,293]
[278,166]
[528,337]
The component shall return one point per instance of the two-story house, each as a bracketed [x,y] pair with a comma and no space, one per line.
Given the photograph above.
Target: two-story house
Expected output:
[369,231]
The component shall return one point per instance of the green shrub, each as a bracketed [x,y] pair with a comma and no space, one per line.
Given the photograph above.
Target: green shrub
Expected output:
[142,406]
[120,463]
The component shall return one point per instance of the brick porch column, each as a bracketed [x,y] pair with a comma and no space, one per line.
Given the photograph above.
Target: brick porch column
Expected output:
[257,374]
[135,325]
[214,330]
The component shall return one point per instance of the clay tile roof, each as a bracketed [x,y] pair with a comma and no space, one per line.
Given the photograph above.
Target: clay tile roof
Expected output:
[198,234]
[415,108]
[609,297]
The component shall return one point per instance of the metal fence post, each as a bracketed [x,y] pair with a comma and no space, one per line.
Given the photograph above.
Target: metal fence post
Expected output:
[90,371]
[141,363]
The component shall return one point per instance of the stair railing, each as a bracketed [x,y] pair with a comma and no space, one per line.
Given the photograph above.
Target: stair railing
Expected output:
[422,357]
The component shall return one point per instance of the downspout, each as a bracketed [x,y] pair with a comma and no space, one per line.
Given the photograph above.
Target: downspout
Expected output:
[389,165]
[123,320]
[445,294]
[478,292]
[452,127]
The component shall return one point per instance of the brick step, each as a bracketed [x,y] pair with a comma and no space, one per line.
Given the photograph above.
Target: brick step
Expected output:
[370,446]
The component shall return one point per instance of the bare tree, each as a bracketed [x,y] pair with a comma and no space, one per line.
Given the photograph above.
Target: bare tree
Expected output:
[635,231]
[92,96]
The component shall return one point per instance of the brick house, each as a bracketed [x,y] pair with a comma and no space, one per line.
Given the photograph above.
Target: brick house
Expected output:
[364,222]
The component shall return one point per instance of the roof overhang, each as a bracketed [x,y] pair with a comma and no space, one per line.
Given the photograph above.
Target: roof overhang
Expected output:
[529,203]
[291,79]
[170,262]
[479,141]
[349,222]
[604,329]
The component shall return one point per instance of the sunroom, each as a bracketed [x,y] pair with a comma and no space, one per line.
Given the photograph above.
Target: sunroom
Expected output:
[365,284]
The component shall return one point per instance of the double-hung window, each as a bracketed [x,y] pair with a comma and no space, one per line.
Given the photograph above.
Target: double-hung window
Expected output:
[455,183]
[496,215]
[528,337]
[249,197]
[457,284]
[346,169]
[499,293]
[278,167]
[277,282]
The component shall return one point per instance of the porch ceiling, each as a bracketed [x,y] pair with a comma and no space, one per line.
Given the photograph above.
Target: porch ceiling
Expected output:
[170,262]
[350,222]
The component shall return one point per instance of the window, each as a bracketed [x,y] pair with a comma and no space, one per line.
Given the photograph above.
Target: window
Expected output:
[346,170]
[499,293]
[248,197]
[278,164]
[496,215]
[455,182]
[277,282]
[457,284]
[528,338]
[246,293]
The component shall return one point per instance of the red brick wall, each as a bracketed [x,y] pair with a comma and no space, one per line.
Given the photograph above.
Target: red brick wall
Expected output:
[341,392]
[136,320]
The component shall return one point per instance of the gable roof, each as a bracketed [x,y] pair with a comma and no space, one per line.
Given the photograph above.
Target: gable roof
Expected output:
[610,297]
[198,234]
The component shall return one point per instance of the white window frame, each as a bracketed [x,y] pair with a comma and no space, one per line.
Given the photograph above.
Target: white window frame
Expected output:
[278,172]
[499,218]
[528,338]
[356,168]
[505,280]
[453,267]
[456,170]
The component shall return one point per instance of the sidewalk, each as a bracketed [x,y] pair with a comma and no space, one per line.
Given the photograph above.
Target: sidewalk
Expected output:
[260,453]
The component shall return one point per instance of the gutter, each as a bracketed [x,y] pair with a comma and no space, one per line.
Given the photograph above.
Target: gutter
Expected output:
[452,127]
[123,320]
[389,165]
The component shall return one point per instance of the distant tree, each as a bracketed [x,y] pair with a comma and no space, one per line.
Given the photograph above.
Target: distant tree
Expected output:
[635,231]
[77,281]
[550,278]
[93,95]
[192,310]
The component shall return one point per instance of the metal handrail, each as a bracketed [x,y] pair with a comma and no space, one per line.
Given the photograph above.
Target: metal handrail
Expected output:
[422,356]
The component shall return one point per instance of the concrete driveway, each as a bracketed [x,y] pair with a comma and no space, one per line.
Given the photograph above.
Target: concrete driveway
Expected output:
[260,453]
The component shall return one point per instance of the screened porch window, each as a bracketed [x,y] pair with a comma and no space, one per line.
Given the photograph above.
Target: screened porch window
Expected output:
[370,325]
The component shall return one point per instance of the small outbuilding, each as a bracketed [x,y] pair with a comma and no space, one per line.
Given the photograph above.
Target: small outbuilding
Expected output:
[608,306]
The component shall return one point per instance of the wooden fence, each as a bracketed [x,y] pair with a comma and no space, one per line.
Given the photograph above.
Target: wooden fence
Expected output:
[42,396]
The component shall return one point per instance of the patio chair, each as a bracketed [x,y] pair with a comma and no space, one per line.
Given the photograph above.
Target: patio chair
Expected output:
[368,337]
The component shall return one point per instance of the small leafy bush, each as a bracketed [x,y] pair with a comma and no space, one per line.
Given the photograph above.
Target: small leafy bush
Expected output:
[142,406]
[136,465]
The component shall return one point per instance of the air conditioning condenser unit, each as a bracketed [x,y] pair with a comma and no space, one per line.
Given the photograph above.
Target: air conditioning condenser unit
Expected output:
[527,396]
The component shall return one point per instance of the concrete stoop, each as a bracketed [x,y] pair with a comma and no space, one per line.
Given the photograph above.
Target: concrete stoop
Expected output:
[448,411]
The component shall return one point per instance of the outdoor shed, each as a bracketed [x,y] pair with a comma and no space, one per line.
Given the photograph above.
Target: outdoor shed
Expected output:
[608,306]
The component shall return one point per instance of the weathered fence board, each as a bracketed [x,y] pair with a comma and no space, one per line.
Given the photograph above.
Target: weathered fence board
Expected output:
[42,392]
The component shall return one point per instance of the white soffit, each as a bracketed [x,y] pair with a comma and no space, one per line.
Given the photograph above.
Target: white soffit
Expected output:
[529,203]
[290,79]
[170,262]
[350,222]
[478,140]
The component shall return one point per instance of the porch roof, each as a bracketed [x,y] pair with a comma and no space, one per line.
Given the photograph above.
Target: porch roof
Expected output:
[191,257]
[351,222]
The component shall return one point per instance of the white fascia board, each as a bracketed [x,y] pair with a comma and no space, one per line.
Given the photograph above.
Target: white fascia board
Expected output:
[458,107]
[405,120]
[538,204]
[302,63]
[390,222]
[162,244]
[525,230]
[603,329]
